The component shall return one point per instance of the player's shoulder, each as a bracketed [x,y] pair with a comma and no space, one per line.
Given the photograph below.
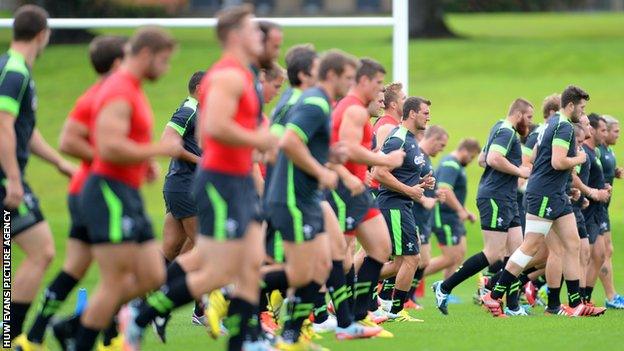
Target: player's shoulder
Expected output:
[15,63]
[449,161]
[315,98]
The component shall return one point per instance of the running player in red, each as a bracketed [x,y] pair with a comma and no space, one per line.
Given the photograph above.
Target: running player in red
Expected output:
[358,214]
[120,233]
[106,53]
[230,241]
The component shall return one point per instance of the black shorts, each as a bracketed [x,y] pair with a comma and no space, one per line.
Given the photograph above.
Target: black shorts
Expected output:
[114,212]
[424,221]
[593,224]
[403,231]
[448,229]
[605,221]
[78,228]
[580,222]
[548,207]
[296,223]
[27,214]
[274,244]
[226,204]
[498,215]
[180,204]
[351,211]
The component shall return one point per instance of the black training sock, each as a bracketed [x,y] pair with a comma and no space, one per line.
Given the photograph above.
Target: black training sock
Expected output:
[174,271]
[199,309]
[254,326]
[574,297]
[471,266]
[302,307]
[582,292]
[18,314]
[387,287]
[398,299]
[553,298]
[503,284]
[339,293]
[350,279]
[320,308]
[367,277]
[160,303]
[493,280]
[240,313]
[513,295]
[53,296]
[275,280]
[495,267]
[539,281]
[418,275]
[588,293]
[85,339]
[110,333]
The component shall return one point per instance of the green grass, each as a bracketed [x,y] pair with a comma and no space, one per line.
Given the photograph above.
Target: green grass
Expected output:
[471,82]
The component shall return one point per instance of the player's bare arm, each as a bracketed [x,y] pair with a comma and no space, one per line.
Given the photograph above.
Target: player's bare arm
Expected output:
[560,160]
[498,161]
[74,140]
[170,135]
[8,161]
[385,178]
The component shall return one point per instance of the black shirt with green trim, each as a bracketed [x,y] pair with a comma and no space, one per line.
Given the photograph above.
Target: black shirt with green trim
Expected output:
[582,171]
[451,174]
[279,116]
[18,98]
[495,184]
[544,179]
[310,119]
[607,159]
[422,214]
[180,175]
[409,173]
[595,179]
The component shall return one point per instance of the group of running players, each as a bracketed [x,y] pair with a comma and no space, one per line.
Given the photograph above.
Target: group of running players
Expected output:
[282,200]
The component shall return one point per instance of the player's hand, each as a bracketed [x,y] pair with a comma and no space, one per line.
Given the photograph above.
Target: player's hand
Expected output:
[266,140]
[524,172]
[575,194]
[368,178]
[600,195]
[441,195]
[328,179]
[153,171]
[428,181]
[581,157]
[585,203]
[619,172]
[354,184]
[471,217]
[395,159]
[14,193]
[66,168]
[416,192]
[428,202]
[339,153]
[270,157]
[463,215]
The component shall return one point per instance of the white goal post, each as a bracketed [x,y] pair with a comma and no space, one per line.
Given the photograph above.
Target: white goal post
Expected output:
[398,21]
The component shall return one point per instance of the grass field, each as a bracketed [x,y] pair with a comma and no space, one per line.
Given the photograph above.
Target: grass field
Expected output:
[471,82]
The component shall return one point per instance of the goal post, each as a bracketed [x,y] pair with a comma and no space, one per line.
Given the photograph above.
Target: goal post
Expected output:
[398,22]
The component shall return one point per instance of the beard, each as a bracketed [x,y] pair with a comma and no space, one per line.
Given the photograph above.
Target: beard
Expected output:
[523,127]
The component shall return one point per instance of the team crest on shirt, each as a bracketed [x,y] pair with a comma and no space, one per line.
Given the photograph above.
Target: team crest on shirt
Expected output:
[419,159]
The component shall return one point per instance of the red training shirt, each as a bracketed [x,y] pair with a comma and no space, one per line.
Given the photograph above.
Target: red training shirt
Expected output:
[358,169]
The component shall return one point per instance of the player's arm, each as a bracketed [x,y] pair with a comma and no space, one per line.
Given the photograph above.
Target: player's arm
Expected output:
[601,195]
[8,160]
[40,147]
[382,134]
[352,182]
[388,180]
[171,135]
[220,109]
[481,159]
[561,143]
[496,156]
[111,134]
[351,131]
[256,175]
[74,140]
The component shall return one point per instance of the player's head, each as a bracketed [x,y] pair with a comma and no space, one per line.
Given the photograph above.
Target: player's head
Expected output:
[613,129]
[579,134]
[521,112]
[376,105]
[598,128]
[338,69]
[573,102]
[584,123]
[394,98]
[30,25]
[416,111]
[106,53]
[467,150]
[237,30]
[272,80]
[151,48]
[369,79]
[551,105]
[272,38]
[302,64]
[194,83]
[438,138]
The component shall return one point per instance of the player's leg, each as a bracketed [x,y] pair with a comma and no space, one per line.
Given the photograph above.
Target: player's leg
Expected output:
[174,237]
[566,229]
[554,272]
[149,269]
[606,272]
[514,240]
[597,259]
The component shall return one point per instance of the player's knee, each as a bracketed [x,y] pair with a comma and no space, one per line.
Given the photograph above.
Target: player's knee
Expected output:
[493,256]
[411,262]
[43,257]
[299,278]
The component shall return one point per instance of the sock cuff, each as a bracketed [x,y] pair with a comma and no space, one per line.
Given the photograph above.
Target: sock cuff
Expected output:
[372,261]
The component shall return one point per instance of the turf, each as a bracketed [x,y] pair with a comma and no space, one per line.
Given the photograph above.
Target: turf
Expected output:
[471,82]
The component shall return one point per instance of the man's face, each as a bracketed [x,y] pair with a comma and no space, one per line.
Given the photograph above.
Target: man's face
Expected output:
[439,145]
[613,134]
[584,122]
[251,37]
[579,110]
[600,133]
[468,157]
[400,102]
[376,105]
[580,137]
[422,117]
[272,45]
[271,88]
[525,121]
[345,81]
[313,77]
[372,86]
[159,64]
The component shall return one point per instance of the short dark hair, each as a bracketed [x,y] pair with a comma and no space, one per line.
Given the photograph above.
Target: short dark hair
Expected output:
[154,38]
[28,21]
[413,104]
[573,94]
[368,68]
[551,103]
[470,145]
[335,61]
[104,50]
[230,19]
[299,58]
[519,105]
[595,119]
[435,132]
[266,26]
[195,80]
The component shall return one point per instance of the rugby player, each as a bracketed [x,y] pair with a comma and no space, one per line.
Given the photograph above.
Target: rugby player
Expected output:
[19,137]
[548,206]
[105,53]
[497,204]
